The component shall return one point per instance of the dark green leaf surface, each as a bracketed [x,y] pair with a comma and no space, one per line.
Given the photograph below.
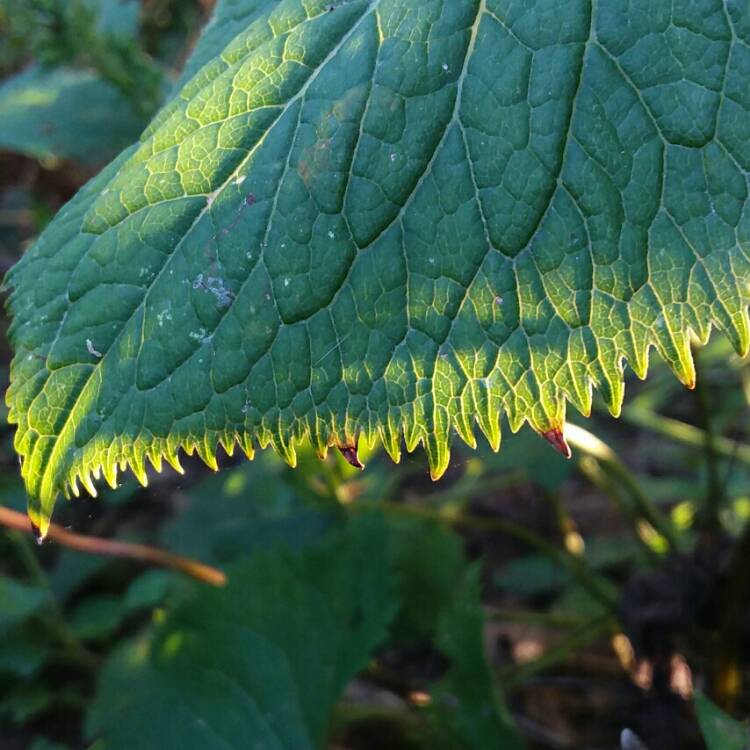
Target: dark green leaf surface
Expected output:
[720,730]
[19,601]
[466,702]
[65,113]
[380,219]
[259,663]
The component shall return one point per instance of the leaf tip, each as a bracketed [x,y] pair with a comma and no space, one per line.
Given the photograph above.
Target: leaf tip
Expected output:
[39,526]
[436,473]
[350,453]
[556,438]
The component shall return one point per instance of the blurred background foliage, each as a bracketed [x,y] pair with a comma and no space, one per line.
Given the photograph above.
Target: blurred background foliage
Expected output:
[522,602]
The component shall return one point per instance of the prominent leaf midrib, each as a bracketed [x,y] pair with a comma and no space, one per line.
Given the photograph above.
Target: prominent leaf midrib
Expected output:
[597,180]
[51,465]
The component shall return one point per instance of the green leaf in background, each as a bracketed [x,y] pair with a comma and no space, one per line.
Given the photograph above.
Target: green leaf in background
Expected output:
[65,113]
[380,219]
[43,744]
[720,731]
[531,575]
[19,601]
[20,654]
[468,707]
[117,17]
[247,508]
[259,663]
[431,566]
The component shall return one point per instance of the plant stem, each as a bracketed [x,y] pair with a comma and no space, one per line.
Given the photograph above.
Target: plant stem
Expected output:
[615,468]
[594,472]
[590,631]
[97,546]
[534,617]
[685,433]
[55,624]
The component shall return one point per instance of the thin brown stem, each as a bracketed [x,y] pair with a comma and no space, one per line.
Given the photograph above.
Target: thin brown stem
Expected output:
[110,548]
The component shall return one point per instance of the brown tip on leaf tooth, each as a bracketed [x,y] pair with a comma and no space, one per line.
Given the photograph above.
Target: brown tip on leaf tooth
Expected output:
[37,532]
[557,440]
[349,452]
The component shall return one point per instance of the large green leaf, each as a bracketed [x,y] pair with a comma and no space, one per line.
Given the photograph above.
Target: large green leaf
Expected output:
[387,218]
[257,664]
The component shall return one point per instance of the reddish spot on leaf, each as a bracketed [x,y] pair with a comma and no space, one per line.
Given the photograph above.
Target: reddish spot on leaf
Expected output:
[349,452]
[557,440]
[250,199]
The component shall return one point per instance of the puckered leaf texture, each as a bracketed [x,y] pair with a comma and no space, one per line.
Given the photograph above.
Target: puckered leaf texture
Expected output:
[392,218]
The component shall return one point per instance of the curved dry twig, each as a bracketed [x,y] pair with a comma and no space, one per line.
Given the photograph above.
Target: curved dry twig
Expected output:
[97,546]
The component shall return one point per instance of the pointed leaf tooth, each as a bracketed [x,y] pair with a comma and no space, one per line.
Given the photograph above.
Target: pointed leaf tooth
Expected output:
[264,439]
[367,439]
[639,361]
[38,532]
[171,456]
[437,445]
[227,443]
[155,457]
[411,432]
[351,454]
[464,427]
[556,438]
[319,439]
[138,467]
[573,379]
[39,518]
[575,383]
[73,484]
[610,381]
[207,453]
[582,394]
[487,418]
[284,449]
[390,436]
[246,443]
[109,470]
[738,333]
[674,347]
[87,483]
[516,414]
